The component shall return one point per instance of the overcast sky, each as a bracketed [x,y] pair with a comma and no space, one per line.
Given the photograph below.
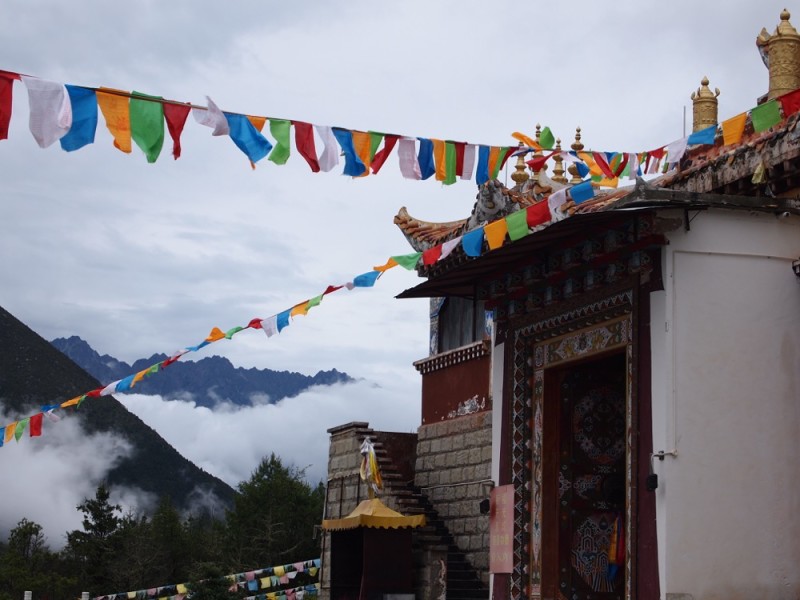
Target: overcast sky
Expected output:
[141,258]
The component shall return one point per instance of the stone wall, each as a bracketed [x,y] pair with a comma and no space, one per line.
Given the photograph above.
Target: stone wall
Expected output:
[453,469]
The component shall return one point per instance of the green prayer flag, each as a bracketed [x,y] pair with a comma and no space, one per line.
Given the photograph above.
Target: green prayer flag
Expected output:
[375,140]
[408,261]
[765,116]
[315,301]
[499,163]
[547,139]
[154,368]
[449,163]
[279,129]
[517,224]
[80,401]
[230,332]
[147,124]
[20,429]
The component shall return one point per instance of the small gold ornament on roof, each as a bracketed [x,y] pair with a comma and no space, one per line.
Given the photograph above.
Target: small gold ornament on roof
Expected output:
[577,146]
[558,168]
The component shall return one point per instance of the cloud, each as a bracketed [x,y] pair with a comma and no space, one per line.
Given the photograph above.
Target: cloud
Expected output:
[229,441]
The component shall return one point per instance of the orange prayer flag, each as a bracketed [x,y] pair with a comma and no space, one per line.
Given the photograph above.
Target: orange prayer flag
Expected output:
[438,159]
[495,233]
[116,112]
[594,168]
[299,309]
[733,129]
[139,376]
[362,142]
[216,334]
[257,122]
[528,141]
[71,402]
[10,429]
[389,264]
[494,156]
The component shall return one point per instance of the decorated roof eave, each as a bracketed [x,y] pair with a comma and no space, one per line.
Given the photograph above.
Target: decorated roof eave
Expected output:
[462,275]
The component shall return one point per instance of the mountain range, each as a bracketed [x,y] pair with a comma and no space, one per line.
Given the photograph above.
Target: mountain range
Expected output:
[208,381]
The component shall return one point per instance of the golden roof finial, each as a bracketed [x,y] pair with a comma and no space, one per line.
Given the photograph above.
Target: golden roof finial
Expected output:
[558,168]
[704,106]
[520,174]
[781,54]
[538,153]
[577,146]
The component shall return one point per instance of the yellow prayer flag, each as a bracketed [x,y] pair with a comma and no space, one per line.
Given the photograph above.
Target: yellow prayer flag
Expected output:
[361,144]
[131,595]
[279,571]
[258,122]
[495,233]
[299,309]
[528,141]
[139,376]
[389,264]
[10,429]
[181,588]
[265,582]
[733,128]
[71,402]
[594,168]
[438,159]
[116,112]
[606,182]
[216,334]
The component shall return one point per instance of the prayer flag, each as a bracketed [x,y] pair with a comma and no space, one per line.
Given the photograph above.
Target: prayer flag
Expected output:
[331,288]
[125,384]
[375,140]
[581,192]
[547,139]
[676,150]
[84,118]
[114,106]
[389,264]
[367,279]
[538,214]
[315,301]
[790,103]
[496,233]
[517,225]
[528,141]
[270,325]
[431,255]
[216,334]
[482,173]
[280,130]
[212,117]
[555,201]
[6,95]
[449,246]
[733,128]
[175,115]
[601,163]
[408,261]
[299,309]
[36,425]
[494,162]
[304,142]
[765,116]
[147,124]
[472,242]
[389,142]
[425,158]
[352,163]
[50,110]
[438,159]
[283,319]
[362,142]
[246,137]
[409,164]
[450,166]
[330,153]
[10,431]
[469,162]
[704,136]
[20,428]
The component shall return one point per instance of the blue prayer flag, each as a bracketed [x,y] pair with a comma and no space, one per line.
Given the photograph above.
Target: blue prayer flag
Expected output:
[283,319]
[84,118]
[247,138]
[704,136]
[124,384]
[582,192]
[366,279]
[425,158]
[472,242]
[583,170]
[352,163]
[482,172]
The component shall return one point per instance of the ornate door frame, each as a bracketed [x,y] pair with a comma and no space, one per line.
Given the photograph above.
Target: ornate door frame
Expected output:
[567,333]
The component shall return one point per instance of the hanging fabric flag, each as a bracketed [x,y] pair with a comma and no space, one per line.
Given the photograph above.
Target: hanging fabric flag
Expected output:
[114,106]
[469,162]
[790,103]
[536,164]
[84,118]
[496,233]
[299,309]
[246,137]
[633,165]
[212,117]
[472,242]
[215,335]
[352,164]
[528,141]
[380,157]
[283,319]
[517,225]
[704,136]
[601,162]
[493,165]
[20,428]
[425,158]
[315,301]
[482,173]
[599,180]
[409,164]
[270,325]
[547,139]
[304,142]
[330,151]
[450,163]
[432,255]
[175,115]
[367,279]
[537,214]
[439,159]
[618,163]
[50,110]
[408,261]
[502,156]
[581,192]
[555,201]
[459,147]
[391,263]
[125,384]
[733,128]
[765,116]
[362,143]
[281,131]
[449,246]
[375,139]
[10,429]
[588,158]
[147,124]
[676,150]
[6,95]
[653,165]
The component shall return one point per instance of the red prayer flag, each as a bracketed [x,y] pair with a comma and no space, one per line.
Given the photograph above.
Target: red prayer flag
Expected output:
[459,158]
[94,393]
[790,103]
[332,288]
[601,162]
[538,213]
[175,115]
[432,255]
[389,142]
[304,142]
[6,88]
[509,151]
[255,324]
[35,425]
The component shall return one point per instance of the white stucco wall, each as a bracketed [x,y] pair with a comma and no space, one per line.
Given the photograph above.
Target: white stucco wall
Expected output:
[726,397]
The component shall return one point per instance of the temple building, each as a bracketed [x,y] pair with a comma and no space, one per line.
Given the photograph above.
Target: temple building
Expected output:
[611,404]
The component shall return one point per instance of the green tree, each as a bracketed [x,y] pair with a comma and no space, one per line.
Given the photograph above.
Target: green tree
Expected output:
[273,518]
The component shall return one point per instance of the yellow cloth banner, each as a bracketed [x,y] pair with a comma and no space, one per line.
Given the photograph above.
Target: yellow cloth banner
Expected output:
[116,112]
[10,429]
[389,264]
[181,588]
[496,233]
[258,122]
[299,309]
[732,129]
[216,334]
[361,144]
[530,142]
[438,159]
[279,571]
